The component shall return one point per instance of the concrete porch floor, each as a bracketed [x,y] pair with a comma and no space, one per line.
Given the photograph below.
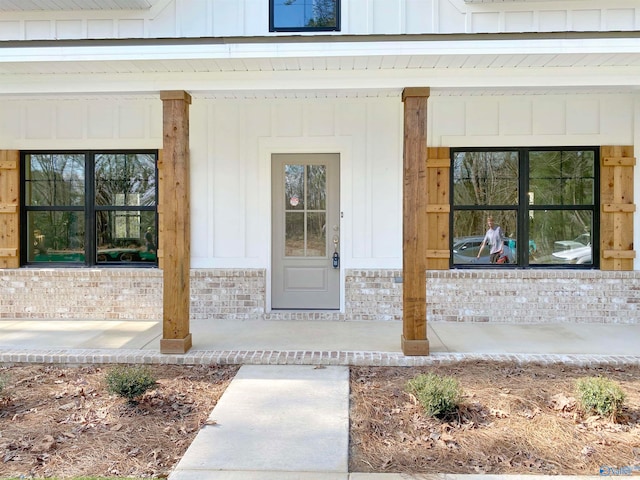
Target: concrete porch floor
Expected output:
[142,338]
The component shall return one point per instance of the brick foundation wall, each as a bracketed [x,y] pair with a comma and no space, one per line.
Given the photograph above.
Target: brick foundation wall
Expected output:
[506,296]
[235,294]
[79,293]
[533,296]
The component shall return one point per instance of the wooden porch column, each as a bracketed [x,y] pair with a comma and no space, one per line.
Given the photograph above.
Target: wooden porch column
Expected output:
[174,219]
[414,296]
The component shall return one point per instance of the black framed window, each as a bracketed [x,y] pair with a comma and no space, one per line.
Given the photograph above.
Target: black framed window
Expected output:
[545,201]
[89,208]
[304,15]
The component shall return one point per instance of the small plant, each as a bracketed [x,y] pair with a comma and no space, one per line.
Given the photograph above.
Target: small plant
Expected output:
[130,382]
[600,395]
[439,396]
[3,383]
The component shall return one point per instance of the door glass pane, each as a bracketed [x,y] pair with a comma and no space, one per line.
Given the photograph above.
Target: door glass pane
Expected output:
[485,178]
[470,228]
[317,187]
[316,235]
[55,236]
[294,234]
[561,237]
[294,187]
[54,180]
[562,178]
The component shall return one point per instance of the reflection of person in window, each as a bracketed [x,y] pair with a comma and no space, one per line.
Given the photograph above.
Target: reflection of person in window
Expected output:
[148,238]
[495,239]
[38,242]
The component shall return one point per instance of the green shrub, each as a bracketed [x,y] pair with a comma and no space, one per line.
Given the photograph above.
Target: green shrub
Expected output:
[439,396]
[3,383]
[130,382]
[600,395]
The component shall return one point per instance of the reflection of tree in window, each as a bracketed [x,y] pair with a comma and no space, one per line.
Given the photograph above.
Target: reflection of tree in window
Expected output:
[55,181]
[316,13]
[486,178]
[123,180]
[562,177]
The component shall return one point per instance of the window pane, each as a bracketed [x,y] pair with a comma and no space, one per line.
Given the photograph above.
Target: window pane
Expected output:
[294,187]
[561,237]
[485,178]
[562,177]
[54,180]
[294,234]
[317,187]
[316,235]
[291,14]
[469,229]
[125,179]
[126,236]
[55,237]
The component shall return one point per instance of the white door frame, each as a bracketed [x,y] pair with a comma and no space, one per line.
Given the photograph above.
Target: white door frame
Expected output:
[340,145]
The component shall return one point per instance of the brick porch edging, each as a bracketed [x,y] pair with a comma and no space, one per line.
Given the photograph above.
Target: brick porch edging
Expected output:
[348,358]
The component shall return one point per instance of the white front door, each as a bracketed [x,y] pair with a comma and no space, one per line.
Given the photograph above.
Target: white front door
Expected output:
[306,231]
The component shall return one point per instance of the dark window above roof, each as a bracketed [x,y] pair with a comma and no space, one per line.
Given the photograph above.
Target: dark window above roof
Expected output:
[304,15]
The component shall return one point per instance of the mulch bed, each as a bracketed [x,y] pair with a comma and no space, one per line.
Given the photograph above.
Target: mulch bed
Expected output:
[514,420]
[60,421]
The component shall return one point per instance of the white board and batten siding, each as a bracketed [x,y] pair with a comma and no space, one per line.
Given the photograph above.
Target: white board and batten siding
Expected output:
[227,18]
[231,143]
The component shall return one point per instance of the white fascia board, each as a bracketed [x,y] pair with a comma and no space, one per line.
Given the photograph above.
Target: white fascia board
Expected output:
[557,77]
[311,49]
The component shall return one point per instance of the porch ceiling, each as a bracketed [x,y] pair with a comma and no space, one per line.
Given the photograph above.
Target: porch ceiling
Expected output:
[224,66]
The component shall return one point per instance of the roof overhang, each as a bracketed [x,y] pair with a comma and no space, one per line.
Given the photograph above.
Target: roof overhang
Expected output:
[322,63]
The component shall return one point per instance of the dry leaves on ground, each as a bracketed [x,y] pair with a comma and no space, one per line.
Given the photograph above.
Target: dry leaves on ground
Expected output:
[514,420]
[60,420]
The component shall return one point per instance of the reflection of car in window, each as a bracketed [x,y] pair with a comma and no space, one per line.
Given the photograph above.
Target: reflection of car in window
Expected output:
[577,251]
[580,241]
[465,251]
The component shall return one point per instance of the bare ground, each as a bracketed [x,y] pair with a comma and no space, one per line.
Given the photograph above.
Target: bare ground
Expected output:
[60,420]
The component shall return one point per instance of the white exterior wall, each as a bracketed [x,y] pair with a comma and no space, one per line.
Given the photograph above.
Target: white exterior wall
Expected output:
[224,18]
[232,140]
[56,123]
[231,146]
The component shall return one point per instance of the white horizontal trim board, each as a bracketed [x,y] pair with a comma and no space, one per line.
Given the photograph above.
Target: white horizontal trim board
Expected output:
[117,52]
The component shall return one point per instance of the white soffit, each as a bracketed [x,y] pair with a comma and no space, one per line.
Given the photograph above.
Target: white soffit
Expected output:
[217,65]
[70,5]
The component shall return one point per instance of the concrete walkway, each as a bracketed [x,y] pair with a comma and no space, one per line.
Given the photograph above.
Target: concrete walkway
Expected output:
[275,422]
[285,414]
